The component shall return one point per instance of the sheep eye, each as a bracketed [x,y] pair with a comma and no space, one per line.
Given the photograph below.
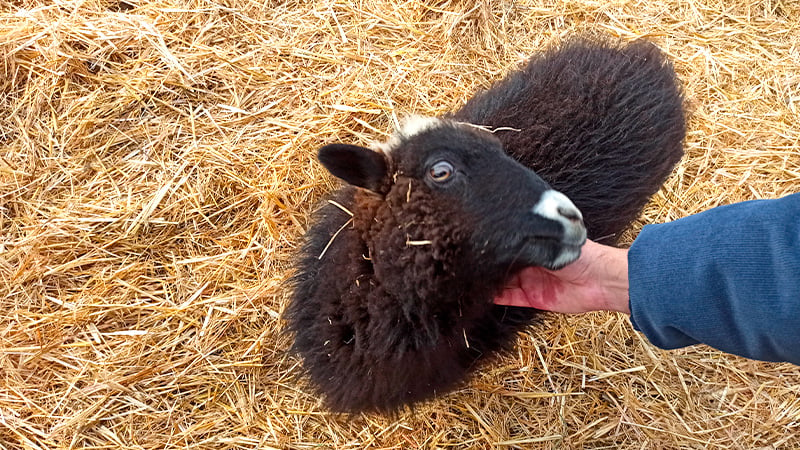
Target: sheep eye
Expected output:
[441,171]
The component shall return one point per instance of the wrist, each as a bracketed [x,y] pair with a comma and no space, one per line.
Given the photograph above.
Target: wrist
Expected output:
[612,275]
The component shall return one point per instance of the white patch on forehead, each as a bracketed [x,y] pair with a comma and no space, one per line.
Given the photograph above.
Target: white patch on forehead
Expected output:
[417,124]
[410,126]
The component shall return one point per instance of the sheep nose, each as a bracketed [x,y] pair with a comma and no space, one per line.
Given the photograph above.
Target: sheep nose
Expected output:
[571,213]
[556,206]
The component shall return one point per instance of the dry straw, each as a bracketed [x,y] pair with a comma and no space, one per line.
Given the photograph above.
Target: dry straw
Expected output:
[156,172]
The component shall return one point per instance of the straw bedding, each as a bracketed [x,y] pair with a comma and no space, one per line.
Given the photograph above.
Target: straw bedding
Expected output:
[156,172]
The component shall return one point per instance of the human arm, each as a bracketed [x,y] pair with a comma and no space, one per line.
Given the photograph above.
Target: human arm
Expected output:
[728,277]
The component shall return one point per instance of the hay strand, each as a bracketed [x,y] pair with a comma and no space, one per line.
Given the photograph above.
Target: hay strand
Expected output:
[157,170]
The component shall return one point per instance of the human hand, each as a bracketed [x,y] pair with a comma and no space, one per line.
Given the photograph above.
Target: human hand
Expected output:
[597,281]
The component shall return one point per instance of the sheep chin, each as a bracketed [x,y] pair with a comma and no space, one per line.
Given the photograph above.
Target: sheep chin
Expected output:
[545,252]
[569,254]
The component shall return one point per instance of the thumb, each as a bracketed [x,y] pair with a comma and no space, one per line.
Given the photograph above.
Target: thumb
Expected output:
[528,288]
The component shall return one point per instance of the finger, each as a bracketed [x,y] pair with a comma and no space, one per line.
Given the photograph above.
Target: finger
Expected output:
[513,296]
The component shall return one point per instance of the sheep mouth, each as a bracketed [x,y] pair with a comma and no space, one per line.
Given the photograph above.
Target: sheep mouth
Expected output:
[550,253]
[569,253]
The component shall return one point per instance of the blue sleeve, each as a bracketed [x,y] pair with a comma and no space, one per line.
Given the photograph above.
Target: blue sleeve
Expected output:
[728,277]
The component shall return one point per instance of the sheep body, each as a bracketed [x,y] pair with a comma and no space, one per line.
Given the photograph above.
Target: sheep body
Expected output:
[392,294]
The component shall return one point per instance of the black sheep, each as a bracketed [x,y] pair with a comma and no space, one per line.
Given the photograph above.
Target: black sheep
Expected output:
[392,300]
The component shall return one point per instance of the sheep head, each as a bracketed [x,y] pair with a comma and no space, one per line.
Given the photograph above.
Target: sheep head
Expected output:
[450,185]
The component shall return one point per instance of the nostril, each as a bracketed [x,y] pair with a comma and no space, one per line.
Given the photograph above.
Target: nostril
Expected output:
[556,206]
[570,214]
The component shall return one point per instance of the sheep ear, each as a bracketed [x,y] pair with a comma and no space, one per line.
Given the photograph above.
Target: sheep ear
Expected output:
[356,165]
